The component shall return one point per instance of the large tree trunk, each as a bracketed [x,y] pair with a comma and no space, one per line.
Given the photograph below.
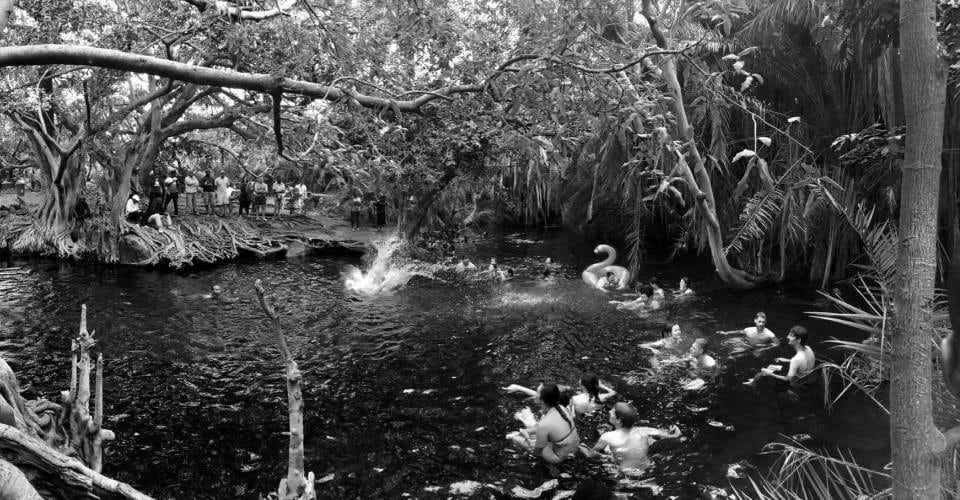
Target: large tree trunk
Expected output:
[692,166]
[916,442]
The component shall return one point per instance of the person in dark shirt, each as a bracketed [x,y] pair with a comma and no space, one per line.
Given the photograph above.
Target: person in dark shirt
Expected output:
[81,210]
[381,207]
[208,187]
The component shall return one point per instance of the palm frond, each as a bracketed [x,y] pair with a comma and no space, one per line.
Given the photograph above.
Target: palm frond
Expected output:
[757,220]
[801,473]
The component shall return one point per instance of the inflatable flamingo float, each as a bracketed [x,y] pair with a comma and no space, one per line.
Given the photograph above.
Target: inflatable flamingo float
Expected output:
[596,271]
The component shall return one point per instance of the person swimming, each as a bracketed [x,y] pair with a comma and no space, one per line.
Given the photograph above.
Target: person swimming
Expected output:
[802,362]
[702,365]
[626,444]
[642,300]
[671,342]
[758,334]
[555,436]
[609,280]
[684,288]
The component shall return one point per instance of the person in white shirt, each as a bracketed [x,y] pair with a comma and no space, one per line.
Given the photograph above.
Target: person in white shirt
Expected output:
[302,190]
[222,196]
[191,188]
[132,210]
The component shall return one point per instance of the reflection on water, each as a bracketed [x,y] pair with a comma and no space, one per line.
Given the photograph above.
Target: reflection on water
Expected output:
[402,390]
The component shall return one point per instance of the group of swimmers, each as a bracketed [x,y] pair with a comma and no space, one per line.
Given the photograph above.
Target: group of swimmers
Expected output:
[554,436]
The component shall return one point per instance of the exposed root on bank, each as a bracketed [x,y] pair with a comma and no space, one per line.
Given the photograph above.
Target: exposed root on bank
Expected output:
[56,448]
[189,240]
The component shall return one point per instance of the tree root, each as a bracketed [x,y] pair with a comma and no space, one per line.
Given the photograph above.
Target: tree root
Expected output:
[49,443]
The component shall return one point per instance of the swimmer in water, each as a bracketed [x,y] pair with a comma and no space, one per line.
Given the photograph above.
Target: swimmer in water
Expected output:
[607,281]
[757,335]
[637,303]
[592,395]
[702,365]
[216,293]
[802,362]
[657,291]
[671,342]
[556,437]
[626,443]
[684,288]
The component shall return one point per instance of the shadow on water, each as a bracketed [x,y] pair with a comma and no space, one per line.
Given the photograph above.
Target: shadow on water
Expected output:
[402,390]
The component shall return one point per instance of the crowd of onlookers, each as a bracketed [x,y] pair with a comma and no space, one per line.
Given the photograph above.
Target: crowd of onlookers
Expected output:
[166,193]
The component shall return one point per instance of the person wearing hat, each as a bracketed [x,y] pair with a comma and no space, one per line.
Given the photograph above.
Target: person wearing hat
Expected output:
[132,210]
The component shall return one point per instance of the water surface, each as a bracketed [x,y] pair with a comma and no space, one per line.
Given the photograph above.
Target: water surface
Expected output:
[402,390]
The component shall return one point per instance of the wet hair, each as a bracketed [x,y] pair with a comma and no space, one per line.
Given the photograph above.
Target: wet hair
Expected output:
[701,343]
[646,290]
[551,396]
[625,414]
[761,314]
[685,280]
[591,383]
[668,328]
[800,333]
[654,281]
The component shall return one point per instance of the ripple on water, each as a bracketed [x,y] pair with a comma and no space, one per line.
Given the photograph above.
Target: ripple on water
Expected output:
[402,391]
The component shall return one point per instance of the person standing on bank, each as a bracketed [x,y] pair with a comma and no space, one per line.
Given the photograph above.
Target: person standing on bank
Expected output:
[381,207]
[279,190]
[223,194]
[190,187]
[355,206]
[172,191]
[260,189]
[209,186]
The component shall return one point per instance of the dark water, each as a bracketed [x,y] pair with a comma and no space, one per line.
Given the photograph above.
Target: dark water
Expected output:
[402,391]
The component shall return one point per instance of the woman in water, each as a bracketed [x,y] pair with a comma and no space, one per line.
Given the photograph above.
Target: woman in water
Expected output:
[671,342]
[684,288]
[556,437]
[592,395]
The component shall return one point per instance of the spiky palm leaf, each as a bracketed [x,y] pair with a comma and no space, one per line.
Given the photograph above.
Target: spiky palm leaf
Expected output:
[802,473]
[759,217]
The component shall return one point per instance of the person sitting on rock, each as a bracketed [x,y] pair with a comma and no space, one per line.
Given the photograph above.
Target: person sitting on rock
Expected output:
[132,210]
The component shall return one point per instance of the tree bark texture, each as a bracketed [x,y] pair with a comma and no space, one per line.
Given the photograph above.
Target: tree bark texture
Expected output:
[298,485]
[916,442]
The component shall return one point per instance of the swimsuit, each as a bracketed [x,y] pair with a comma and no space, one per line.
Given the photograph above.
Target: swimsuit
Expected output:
[565,449]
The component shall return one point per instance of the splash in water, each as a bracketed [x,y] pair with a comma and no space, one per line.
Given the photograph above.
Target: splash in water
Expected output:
[384,274]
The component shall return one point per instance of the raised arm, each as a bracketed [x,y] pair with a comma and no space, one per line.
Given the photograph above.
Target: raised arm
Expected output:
[606,392]
[519,388]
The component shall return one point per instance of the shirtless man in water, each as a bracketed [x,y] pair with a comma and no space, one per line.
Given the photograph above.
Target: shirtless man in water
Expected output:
[758,334]
[802,362]
[625,443]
